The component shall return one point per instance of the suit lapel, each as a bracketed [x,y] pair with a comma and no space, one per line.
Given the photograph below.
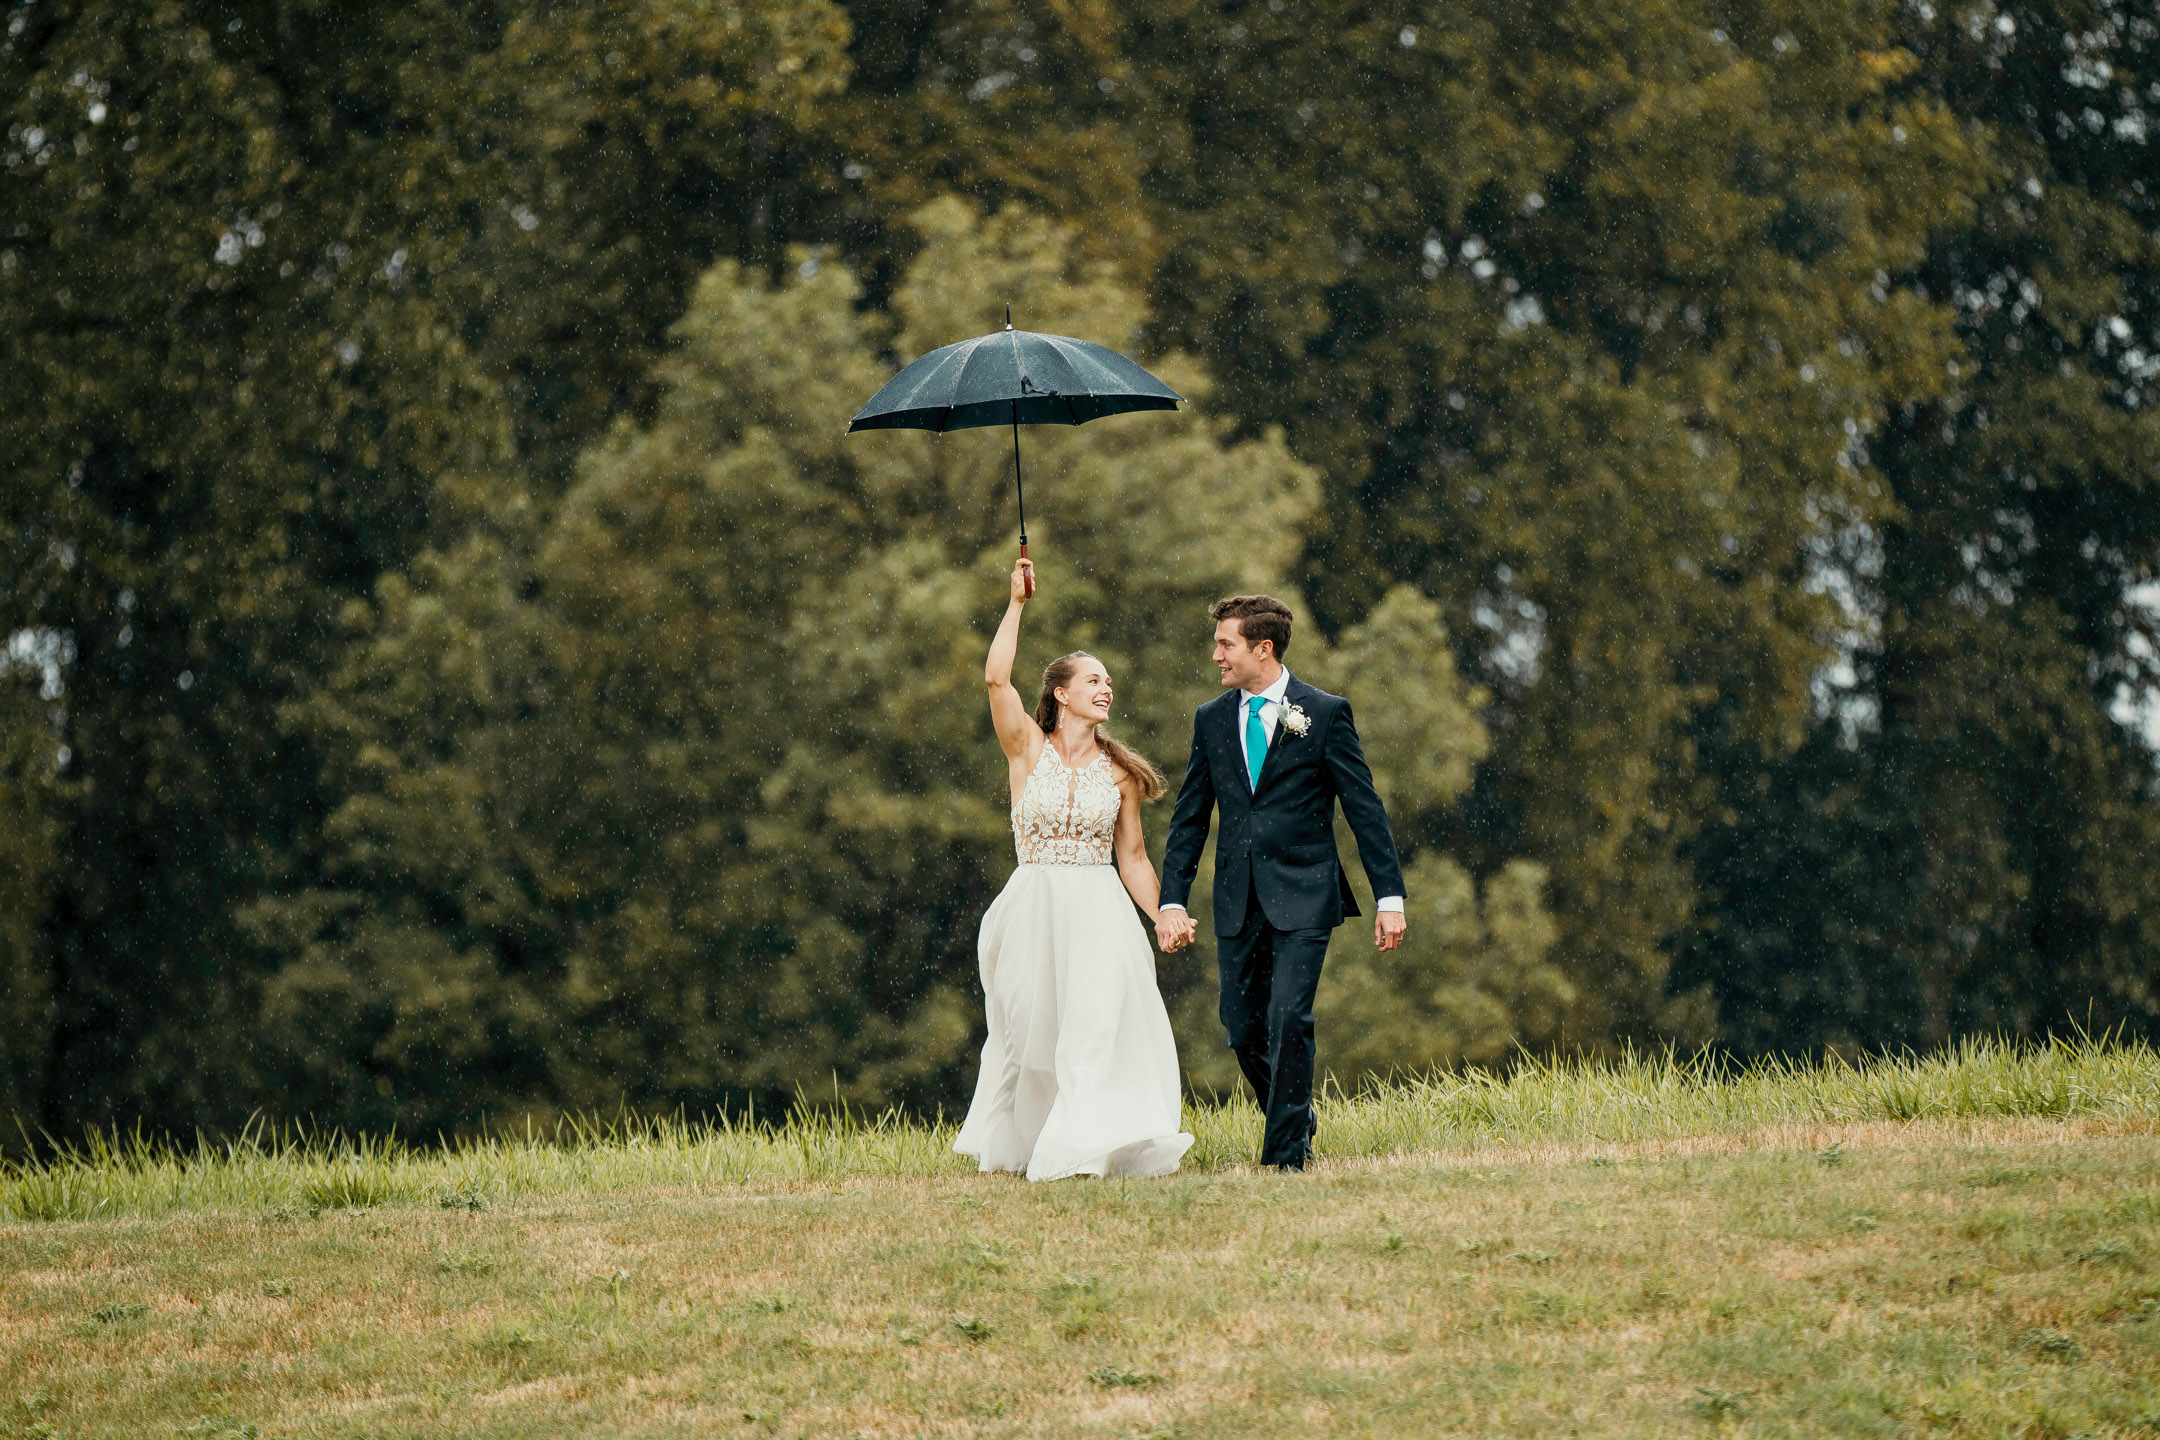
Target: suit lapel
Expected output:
[1226,735]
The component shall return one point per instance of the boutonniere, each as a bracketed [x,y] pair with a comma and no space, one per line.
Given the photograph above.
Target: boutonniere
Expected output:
[1294,720]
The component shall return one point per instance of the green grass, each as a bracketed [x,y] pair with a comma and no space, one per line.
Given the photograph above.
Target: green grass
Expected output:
[1961,1246]
[1627,1101]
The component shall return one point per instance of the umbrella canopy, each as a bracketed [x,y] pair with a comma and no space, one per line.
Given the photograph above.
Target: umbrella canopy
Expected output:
[1013,377]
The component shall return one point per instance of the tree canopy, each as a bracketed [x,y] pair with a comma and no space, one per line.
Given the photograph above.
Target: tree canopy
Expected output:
[454,665]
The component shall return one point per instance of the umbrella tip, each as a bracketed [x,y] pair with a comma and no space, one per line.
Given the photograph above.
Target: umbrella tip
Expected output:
[1008,315]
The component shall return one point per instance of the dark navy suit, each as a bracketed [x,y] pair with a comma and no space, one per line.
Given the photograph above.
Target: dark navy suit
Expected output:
[1279,884]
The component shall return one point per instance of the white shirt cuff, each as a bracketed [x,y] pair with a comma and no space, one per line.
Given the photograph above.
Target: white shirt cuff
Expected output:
[1170,905]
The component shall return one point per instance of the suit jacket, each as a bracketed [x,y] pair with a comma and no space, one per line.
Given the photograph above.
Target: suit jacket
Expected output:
[1278,837]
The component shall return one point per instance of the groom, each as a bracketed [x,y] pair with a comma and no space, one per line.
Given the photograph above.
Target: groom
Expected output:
[1275,754]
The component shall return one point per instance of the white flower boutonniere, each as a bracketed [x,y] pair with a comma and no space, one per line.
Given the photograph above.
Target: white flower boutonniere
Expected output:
[1294,720]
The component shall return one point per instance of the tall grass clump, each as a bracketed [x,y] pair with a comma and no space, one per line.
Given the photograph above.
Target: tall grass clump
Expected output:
[296,1172]
[1630,1098]
[1660,1096]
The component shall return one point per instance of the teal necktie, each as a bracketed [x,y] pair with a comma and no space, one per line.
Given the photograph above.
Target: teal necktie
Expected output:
[1255,739]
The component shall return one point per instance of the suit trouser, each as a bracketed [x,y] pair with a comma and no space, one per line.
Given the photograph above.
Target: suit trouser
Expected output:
[1269,977]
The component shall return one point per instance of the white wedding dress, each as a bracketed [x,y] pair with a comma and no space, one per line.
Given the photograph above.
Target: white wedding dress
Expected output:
[1080,1072]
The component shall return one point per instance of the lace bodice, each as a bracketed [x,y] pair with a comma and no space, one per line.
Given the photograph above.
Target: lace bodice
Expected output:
[1066,816]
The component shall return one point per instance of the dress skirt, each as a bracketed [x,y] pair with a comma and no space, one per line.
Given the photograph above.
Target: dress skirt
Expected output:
[1079,1071]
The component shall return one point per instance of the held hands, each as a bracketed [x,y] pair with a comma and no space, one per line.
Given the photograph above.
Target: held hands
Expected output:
[1174,930]
[1023,581]
[1388,929]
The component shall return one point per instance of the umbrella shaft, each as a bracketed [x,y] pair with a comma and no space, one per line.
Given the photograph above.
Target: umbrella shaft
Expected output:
[1019,489]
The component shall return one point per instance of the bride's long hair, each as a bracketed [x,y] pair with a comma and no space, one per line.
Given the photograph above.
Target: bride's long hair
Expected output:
[1132,762]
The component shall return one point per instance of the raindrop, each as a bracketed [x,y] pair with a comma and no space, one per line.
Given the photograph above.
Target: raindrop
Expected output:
[187,679]
[97,113]
[852,171]
[808,268]
[1406,37]
[62,756]
[1483,269]
[2004,25]
[347,352]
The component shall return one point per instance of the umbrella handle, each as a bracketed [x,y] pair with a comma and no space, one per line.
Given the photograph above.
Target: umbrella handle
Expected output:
[1029,581]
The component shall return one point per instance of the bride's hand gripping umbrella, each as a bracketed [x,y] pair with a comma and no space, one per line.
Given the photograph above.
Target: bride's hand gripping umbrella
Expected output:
[1013,377]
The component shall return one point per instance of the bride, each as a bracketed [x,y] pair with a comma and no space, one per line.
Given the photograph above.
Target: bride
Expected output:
[1079,1073]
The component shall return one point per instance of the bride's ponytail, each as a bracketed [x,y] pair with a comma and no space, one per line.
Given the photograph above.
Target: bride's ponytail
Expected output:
[1138,767]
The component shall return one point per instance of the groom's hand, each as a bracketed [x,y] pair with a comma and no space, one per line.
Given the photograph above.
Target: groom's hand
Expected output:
[1174,929]
[1388,928]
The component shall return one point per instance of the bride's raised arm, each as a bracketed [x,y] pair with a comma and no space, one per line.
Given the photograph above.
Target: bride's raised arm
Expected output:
[1018,734]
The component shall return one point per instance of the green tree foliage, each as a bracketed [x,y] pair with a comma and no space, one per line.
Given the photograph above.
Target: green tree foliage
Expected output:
[1760,402]
[1990,819]
[1475,980]
[27,783]
[285,290]
[692,794]
[1580,311]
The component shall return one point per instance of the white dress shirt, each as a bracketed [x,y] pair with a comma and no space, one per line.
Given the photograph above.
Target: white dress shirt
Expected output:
[1270,717]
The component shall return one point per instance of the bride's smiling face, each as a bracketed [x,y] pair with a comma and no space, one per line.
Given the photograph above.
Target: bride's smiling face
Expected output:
[1086,697]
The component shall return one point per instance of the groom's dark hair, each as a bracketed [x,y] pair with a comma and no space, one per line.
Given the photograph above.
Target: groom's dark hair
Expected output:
[1259,617]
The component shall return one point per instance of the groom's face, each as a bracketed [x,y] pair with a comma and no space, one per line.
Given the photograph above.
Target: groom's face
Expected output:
[1241,665]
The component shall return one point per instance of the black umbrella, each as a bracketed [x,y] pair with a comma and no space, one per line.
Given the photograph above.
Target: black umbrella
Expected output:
[1013,377]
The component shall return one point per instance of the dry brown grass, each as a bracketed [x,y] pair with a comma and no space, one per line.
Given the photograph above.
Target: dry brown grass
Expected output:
[1955,1277]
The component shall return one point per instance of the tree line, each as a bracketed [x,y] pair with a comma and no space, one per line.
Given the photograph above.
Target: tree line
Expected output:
[456,667]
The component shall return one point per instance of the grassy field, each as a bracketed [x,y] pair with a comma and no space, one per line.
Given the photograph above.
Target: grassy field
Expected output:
[1963,1246]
